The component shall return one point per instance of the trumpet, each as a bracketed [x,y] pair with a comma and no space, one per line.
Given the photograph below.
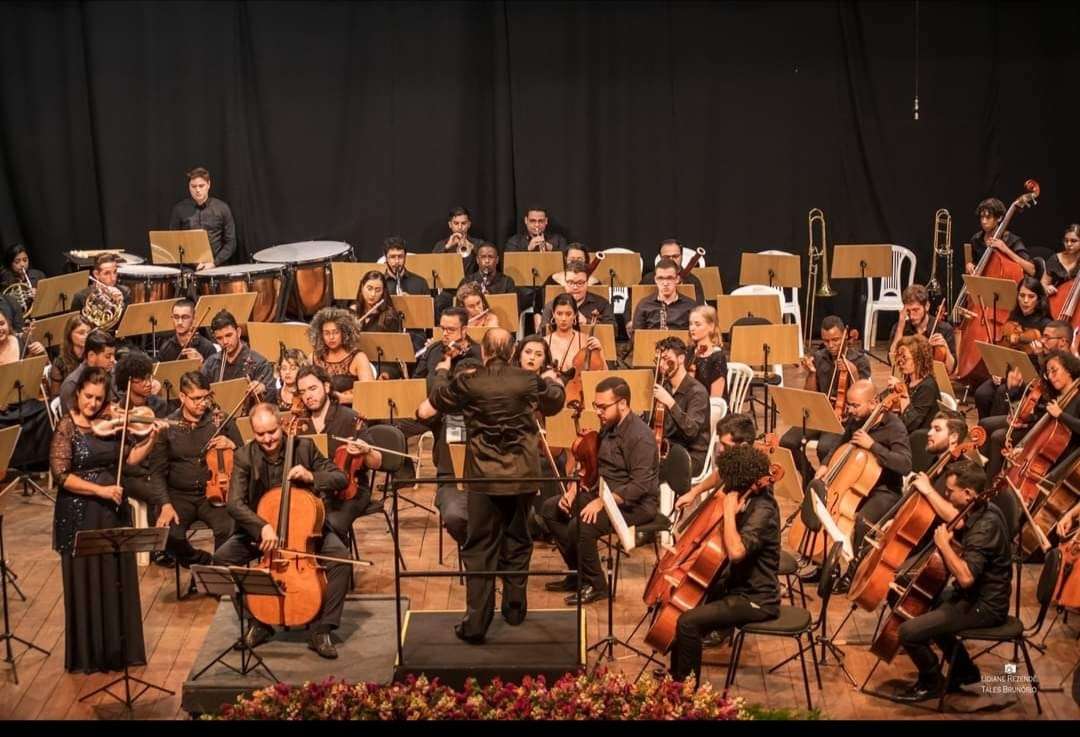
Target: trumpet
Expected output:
[942,248]
[461,243]
[818,256]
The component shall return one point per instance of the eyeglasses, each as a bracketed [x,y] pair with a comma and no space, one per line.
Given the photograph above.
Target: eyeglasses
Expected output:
[665,278]
[603,407]
[200,399]
[575,283]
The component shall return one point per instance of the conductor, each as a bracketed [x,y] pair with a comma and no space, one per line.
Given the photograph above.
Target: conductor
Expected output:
[499,402]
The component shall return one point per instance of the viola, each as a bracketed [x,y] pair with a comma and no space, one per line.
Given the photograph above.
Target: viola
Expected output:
[913,518]
[352,465]
[585,360]
[940,352]
[852,473]
[700,558]
[1014,335]
[297,514]
[1039,450]
[976,327]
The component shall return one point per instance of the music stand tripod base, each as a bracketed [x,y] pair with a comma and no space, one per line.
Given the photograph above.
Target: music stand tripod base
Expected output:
[9,657]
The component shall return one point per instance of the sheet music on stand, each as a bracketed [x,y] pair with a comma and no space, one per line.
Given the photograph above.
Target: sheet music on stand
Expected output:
[830,527]
[626,535]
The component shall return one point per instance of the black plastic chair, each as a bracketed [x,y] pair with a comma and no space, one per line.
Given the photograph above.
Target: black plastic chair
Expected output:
[391,438]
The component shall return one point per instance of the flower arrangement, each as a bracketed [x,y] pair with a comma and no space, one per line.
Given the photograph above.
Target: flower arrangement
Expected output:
[603,695]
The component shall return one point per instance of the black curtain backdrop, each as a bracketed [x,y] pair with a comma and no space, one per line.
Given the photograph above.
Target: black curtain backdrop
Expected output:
[721,124]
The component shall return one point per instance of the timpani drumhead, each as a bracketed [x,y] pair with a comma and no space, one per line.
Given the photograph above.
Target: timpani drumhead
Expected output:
[239,270]
[304,252]
[145,271]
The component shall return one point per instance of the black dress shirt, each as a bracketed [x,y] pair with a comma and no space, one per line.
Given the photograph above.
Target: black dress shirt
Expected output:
[687,421]
[170,349]
[520,242]
[978,245]
[943,328]
[923,406]
[824,363]
[468,264]
[892,448]
[340,421]
[254,473]
[755,575]
[179,456]
[629,463]
[988,554]
[647,313]
[699,290]
[499,402]
[499,283]
[213,216]
[410,284]
[247,365]
[585,310]
[79,300]
[425,366]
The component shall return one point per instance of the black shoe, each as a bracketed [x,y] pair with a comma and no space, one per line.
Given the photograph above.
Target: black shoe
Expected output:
[562,584]
[843,585]
[589,594]
[810,573]
[320,642]
[918,691]
[958,681]
[163,559]
[716,638]
[199,558]
[257,633]
[514,614]
[459,630]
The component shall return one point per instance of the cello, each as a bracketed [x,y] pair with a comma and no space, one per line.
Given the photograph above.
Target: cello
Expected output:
[699,559]
[975,327]
[852,474]
[297,514]
[1040,449]
[1067,590]
[891,547]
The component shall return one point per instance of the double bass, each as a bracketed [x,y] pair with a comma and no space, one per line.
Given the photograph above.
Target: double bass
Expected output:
[852,474]
[297,514]
[700,557]
[975,327]
[889,549]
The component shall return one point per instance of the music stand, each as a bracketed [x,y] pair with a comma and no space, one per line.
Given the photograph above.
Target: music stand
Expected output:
[941,378]
[773,344]
[645,341]
[383,348]
[505,307]
[346,276]
[619,269]
[55,293]
[185,247]
[113,542]
[141,318]
[551,291]
[476,334]
[228,393]
[169,373]
[732,307]
[712,285]
[417,310]
[9,437]
[239,582]
[771,269]
[639,292]
[239,304]
[640,381]
[999,294]
[271,339]
[20,381]
[50,330]
[531,268]
[862,261]
[6,635]
[440,270]
[1001,360]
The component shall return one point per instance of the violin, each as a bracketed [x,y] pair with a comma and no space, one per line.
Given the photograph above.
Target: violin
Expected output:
[140,422]
[976,327]
[1014,335]
[659,415]
[585,360]
[297,514]
[352,465]
[914,516]
[219,461]
[939,352]
[700,557]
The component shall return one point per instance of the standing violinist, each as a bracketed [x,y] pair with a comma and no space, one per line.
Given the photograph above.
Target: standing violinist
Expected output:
[258,467]
[667,309]
[708,364]
[981,566]
[628,461]
[888,442]
[822,375]
[564,339]
[499,402]
[180,465]
[686,421]
[749,591]
[186,342]
[915,320]
[324,414]
[1031,315]
[918,403]
[990,212]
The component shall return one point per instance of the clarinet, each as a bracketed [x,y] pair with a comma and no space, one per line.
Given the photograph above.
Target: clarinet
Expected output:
[663,316]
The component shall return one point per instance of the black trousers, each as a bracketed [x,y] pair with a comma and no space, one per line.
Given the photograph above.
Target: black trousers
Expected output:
[725,612]
[939,626]
[877,504]
[193,507]
[497,539]
[996,427]
[577,540]
[453,506]
[240,549]
[792,440]
[991,399]
[340,513]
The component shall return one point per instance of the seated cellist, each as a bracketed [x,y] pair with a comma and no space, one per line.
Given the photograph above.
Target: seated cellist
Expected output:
[889,443]
[751,535]
[983,582]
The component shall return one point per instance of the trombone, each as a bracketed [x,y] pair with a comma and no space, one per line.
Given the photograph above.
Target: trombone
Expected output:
[819,264]
[942,248]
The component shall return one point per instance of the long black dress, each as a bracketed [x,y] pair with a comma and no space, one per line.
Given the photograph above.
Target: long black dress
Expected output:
[94,610]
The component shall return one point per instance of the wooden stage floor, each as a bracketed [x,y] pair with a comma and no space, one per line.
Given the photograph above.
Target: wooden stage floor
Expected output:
[175,630]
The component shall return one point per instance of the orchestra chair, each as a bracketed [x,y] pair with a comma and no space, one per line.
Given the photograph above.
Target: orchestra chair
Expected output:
[789,299]
[391,438]
[739,376]
[887,297]
[1012,629]
[191,588]
[830,573]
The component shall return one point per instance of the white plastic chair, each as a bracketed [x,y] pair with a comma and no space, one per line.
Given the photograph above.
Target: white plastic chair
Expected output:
[739,376]
[717,411]
[618,306]
[789,305]
[949,401]
[887,298]
[687,254]
[140,518]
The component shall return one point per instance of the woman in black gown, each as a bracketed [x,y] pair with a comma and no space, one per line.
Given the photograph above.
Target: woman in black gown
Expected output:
[97,616]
